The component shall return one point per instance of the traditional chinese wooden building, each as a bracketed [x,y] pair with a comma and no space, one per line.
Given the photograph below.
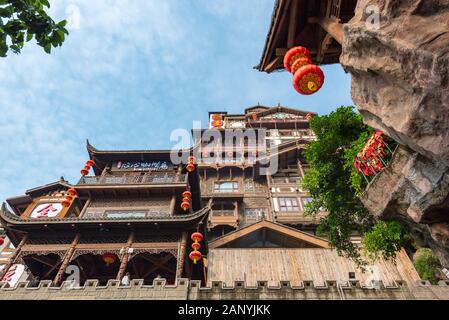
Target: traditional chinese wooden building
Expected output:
[125,218]
[243,180]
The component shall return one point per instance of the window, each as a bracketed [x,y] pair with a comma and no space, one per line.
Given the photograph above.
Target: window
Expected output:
[252,214]
[225,187]
[288,204]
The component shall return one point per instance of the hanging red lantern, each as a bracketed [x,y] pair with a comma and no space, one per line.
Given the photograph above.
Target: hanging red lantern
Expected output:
[217,123]
[308,79]
[66,203]
[90,163]
[196,237]
[187,194]
[2,241]
[72,192]
[109,258]
[195,256]
[301,62]
[196,246]
[217,117]
[186,199]
[185,205]
[69,197]
[309,116]
[254,116]
[85,170]
[294,54]
[190,167]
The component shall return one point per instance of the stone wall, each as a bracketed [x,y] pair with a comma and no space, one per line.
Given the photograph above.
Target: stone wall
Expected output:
[191,290]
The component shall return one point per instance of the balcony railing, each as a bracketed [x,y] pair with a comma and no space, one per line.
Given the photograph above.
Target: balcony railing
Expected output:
[111,214]
[150,178]
[223,213]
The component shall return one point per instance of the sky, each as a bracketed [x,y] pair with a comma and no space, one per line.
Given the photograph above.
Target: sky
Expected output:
[131,72]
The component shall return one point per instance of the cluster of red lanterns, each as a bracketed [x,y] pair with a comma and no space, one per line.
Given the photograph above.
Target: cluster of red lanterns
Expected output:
[86,169]
[186,198]
[196,255]
[191,166]
[69,197]
[307,77]
[369,160]
[109,258]
[216,121]
[2,241]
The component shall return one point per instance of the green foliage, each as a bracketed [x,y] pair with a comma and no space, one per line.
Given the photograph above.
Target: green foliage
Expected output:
[331,180]
[385,239]
[21,20]
[426,264]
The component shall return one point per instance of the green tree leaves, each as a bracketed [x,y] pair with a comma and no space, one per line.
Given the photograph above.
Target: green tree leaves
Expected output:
[426,263]
[385,239]
[335,186]
[22,20]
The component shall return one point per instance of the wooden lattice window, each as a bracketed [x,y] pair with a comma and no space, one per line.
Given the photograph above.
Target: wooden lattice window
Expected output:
[287,204]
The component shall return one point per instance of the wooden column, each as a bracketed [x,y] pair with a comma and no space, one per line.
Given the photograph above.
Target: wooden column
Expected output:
[172,204]
[181,255]
[13,257]
[124,258]
[67,258]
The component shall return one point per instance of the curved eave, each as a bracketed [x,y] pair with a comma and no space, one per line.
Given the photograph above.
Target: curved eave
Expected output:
[9,219]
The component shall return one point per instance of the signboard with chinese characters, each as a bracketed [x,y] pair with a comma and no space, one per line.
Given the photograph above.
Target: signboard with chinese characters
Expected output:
[144,166]
[46,210]
[14,273]
[46,207]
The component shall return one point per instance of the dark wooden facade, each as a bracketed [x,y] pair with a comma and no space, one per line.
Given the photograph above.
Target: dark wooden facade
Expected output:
[314,24]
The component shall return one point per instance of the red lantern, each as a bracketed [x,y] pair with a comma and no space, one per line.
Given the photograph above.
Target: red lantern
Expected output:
[186,199]
[308,79]
[68,197]
[217,117]
[195,256]
[217,123]
[309,116]
[301,62]
[196,237]
[2,241]
[294,54]
[90,163]
[196,246]
[190,167]
[254,116]
[187,194]
[72,192]
[85,170]
[109,258]
[185,205]
[66,203]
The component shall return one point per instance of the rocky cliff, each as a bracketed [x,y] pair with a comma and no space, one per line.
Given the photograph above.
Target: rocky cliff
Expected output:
[400,84]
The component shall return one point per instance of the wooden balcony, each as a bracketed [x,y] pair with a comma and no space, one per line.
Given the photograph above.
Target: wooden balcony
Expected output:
[134,179]
[298,217]
[223,217]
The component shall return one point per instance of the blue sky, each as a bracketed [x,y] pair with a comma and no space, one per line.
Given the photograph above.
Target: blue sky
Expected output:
[129,73]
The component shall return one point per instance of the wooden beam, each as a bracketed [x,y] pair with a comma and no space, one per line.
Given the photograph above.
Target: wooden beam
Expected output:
[67,258]
[293,23]
[13,257]
[181,255]
[334,28]
[273,64]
